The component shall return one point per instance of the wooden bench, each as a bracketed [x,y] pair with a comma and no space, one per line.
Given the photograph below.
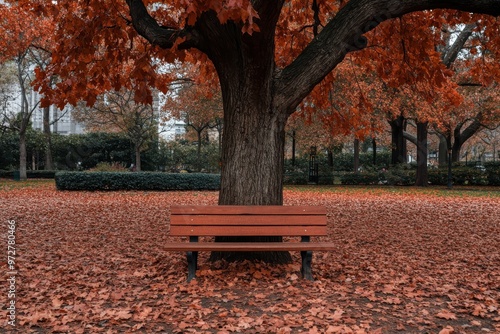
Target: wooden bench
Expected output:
[297,221]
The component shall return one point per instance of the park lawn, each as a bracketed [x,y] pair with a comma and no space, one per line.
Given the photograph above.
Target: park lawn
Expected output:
[408,261]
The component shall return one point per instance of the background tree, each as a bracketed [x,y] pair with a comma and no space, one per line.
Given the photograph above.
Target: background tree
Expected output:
[8,80]
[471,62]
[199,106]
[117,112]
[22,32]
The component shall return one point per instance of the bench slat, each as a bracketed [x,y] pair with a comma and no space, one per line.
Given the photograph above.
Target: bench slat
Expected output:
[246,210]
[235,230]
[250,246]
[247,220]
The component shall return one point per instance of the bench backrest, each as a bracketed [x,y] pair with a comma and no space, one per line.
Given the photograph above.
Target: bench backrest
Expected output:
[231,220]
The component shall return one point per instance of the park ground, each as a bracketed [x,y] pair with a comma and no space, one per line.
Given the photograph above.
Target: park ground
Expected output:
[408,261]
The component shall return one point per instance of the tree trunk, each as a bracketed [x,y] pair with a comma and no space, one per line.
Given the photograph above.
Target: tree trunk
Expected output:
[253,147]
[460,137]
[245,182]
[198,150]
[330,157]
[137,148]
[456,148]
[422,170]
[374,148]
[356,155]
[48,139]
[22,155]
[398,142]
[293,148]
[443,151]
[252,171]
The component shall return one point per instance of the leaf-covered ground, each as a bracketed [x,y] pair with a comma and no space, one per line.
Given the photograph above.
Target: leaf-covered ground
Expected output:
[408,261]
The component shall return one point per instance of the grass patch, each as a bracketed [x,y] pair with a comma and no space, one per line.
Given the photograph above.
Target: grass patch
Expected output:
[8,184]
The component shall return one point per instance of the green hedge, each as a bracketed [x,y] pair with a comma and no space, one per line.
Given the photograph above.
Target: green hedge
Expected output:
[462,176]
[364,178]
[493,173]
[31,174]
[135,181]
[404,177]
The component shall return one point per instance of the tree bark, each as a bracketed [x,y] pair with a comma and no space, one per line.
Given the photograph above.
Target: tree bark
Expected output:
[422,170]
[461,137]
[48,139]
[443,151]
[398,141]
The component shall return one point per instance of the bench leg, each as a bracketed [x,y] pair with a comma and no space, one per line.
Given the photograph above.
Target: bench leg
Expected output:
[306,265]
[192,259]
[306,261]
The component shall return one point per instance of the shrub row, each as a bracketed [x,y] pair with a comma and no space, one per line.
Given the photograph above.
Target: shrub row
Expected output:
[31,174]
[460,176]
[135,181]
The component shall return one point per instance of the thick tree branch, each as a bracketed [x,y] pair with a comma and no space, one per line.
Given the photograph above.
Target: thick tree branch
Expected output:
[472,129]
[344,34]
[411,138]
[451,54]
[164,37]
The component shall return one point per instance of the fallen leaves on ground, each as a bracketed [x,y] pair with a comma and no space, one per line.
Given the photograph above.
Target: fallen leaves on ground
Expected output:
[93,262]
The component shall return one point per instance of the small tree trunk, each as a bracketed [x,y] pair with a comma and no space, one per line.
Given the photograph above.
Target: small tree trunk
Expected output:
[198,151]
[48,139]
[137,148]
[356,155]
[330,157]
[293,148]
[22,155]
[374,148]
[422,170]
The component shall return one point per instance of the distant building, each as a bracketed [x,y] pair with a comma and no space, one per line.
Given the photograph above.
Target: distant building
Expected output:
[61,121]
[173,130]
